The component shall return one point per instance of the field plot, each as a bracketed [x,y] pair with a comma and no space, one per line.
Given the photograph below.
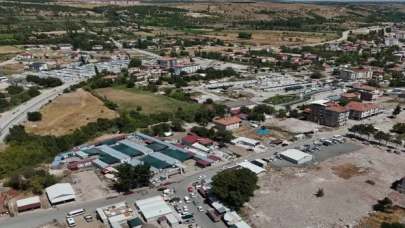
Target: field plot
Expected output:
[9,49]
[132,98]
[286,197]
[68,112]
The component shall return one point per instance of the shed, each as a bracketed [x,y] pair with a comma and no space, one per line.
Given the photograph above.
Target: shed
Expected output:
[99,164]
[135,223]
[202,163]
[172,221]
[82,155]
[109,159]
[28,203]
[213,157]
[135,162]
[60,193]
[296,156]
[254,168]
[153,208]
[92,151]
[198,146]
[246,141]
[56,164]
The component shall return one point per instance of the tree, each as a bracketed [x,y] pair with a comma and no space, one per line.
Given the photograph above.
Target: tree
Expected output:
[33,92]
[383,205]
[245,110]
[398,128]
[281,113]
[397,110]
[129,177]
[234,187]
[34,116]
[177,125]
[135,62]
[294,113]
[14,89]
[380,135]
[392,225]
[316,75]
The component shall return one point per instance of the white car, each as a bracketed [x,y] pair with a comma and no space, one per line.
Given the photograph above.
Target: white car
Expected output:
[200,208]
[184,213]
[223,167]
[185,208]
[198,186]
[192,194]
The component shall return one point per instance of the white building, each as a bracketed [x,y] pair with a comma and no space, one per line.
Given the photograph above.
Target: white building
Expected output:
[347,74]
[296,156]
[359,110]
[229,123]
[188,67]
[167,62]
[153,208]
[39,66]
[65,46]
[400,34]
[245,141]
[115,214]
[391,41]
[60,193]
[97,47]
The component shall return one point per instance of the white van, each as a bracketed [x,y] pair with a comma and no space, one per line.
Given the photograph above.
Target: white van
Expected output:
[187,199]
[70,222]
[75,213]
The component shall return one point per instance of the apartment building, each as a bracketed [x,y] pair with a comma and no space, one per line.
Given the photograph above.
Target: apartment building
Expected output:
[400,34]
[367,93]
[348,74]
[188,67]
[359,111]
[391,41]
[167,62]
[325,112]
[229,123]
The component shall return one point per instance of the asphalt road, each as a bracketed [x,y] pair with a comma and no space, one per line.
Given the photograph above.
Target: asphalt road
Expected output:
[18,114]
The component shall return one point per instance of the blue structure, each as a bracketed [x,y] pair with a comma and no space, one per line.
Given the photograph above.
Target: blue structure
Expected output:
[262,131]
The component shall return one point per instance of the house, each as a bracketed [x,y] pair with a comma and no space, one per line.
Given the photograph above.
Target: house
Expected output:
[188,67]
[349,96]
[327,113]
[97,47]
[313,58]
[25,57]
[167,62]
[191,139]
[326,68]
[65,46]
[359,111]
[140,76]
[282,56]
[348,74]
[110,77]
[236,105]
[367,93]
[38,66]
[133,70]
[229,123]
[32,38]
[391,41]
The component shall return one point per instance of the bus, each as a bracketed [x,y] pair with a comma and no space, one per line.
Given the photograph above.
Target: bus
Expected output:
[76,213]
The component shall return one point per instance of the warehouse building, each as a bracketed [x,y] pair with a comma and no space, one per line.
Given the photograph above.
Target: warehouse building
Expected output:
[296,156]
[245,141]
[113,153]
[153,208]
[165,158]
[60,193]
[28,204]
[145,150]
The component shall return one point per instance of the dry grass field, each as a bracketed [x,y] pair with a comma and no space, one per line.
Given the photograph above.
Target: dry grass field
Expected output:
[68,112]
[150,103]
[10,49]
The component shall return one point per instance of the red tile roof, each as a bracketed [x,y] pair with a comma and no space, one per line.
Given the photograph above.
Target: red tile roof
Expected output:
[166,58]
[140,74]
[363,87]
[206,141]
[337,109]
[213,157]
[235,112]
[110,77]
[348,95]
[360,107]
[228,121]
[191,138]
[204,163]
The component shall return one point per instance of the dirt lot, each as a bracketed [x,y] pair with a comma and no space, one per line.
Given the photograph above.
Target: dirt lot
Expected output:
[150,103]
[293,125]
[68,112]
[286,195]
[9,49]
[88,186]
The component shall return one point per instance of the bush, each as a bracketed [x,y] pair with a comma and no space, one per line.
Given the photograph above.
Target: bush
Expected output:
[14,89]
[34,116]
[383,205]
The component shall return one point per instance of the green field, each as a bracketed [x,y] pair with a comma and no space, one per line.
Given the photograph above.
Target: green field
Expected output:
[6,36]
[282,99]
[130,98]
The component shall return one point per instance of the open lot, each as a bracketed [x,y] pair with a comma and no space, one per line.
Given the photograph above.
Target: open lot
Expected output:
[10,49]
[68,112]
[286,197]
[88,186]
[150,103]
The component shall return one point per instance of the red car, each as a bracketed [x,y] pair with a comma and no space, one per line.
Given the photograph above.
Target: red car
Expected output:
[128,192]
[190,189]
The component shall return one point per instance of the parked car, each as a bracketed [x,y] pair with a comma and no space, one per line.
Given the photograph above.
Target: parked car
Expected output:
[190,189]
[200,208]
[192,195]
[184,213]
[129,192]
[185,208]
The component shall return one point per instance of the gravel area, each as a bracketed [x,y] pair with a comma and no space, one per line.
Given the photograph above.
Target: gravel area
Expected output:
[293,125]
[88,186]
[286,197]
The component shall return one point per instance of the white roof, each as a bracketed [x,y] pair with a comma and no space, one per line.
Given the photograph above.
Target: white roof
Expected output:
[28,201]
[60,192]
[200,147]
[171,219]
[295,154]
[242,224]
[246,140]
[153,207]
[319,102]
[232,217]
[254,168]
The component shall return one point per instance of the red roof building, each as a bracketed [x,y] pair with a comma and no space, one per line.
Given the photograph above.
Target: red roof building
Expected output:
[360,110]
[202,163]
[213,157]
[349,95]
[229,123]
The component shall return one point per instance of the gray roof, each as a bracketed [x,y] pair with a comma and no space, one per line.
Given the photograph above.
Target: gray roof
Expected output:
[239,103]
[60,192]
[100,163]
[114,153]
[136,146]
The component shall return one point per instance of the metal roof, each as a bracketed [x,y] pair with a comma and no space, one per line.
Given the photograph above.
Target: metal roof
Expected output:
[28,201]
[200,147]
[204,158]
[135,162]
[245,140]
[153,207]
[60,192]
[114,153]
[160,141]
[294,154]
[100,163]
[254,168]
[165,158]
[136,146]
[81,154]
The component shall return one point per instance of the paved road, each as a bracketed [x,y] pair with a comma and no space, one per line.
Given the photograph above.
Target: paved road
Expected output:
[18,114]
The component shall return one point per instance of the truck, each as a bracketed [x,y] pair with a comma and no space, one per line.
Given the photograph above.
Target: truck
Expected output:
[213,215]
